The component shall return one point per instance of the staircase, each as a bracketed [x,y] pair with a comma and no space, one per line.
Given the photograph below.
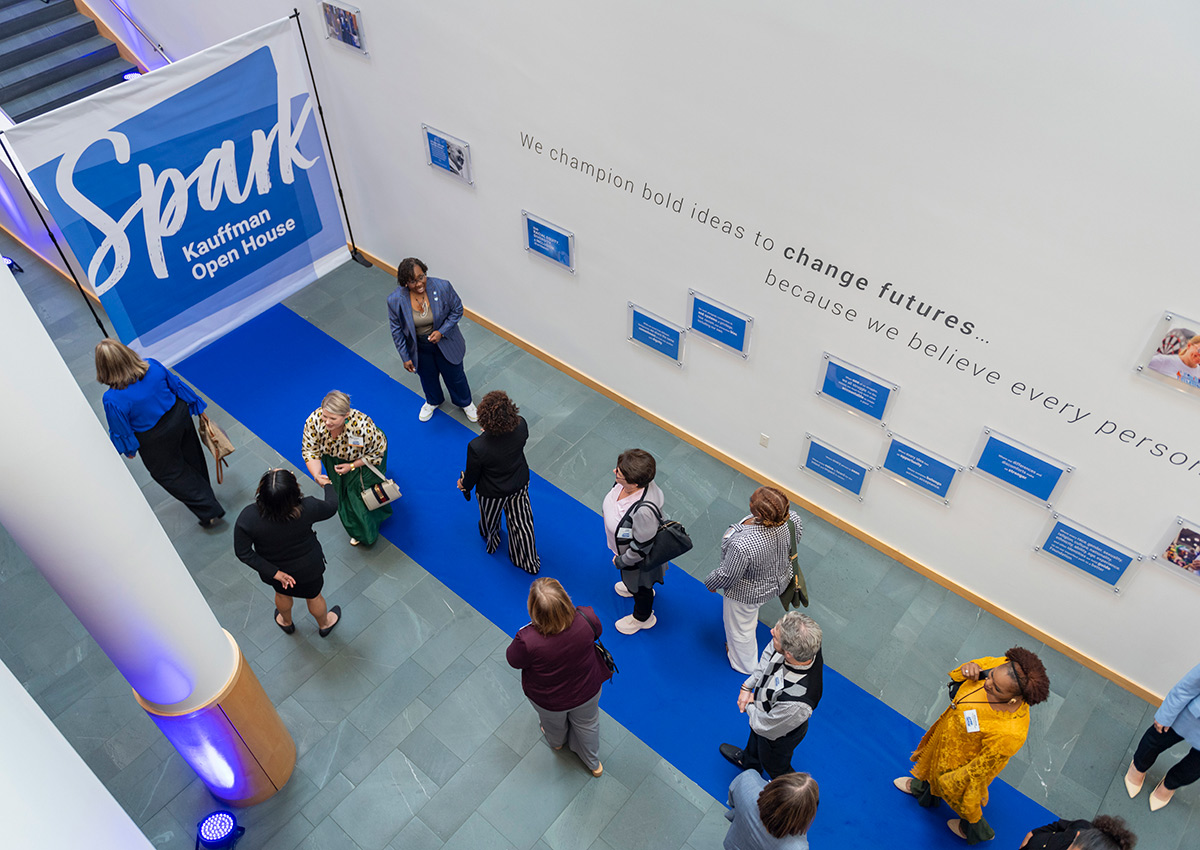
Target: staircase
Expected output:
[50,55]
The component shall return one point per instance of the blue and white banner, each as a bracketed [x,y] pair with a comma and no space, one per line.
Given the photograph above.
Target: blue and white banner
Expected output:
[196,196]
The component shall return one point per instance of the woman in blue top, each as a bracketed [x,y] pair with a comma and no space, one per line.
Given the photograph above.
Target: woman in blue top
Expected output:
[771,815]
[149,410]
[1177,719]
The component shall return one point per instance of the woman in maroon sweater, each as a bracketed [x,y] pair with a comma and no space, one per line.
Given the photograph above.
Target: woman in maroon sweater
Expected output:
[560,670]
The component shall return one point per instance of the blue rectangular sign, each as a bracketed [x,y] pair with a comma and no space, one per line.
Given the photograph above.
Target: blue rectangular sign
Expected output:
[836,467]
[1087,553]
[921,469]
[718,323]
[657,335]
[550,243]
[1019,468]
[855,390]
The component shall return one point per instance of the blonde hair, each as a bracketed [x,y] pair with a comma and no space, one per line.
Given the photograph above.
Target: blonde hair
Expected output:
[550,608]
[118,365]
[336,402]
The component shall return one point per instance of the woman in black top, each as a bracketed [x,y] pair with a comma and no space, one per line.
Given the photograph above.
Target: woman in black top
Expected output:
[275,537]
[497,471]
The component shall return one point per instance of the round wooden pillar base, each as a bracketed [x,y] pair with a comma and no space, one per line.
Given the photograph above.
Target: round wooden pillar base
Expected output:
[236,742]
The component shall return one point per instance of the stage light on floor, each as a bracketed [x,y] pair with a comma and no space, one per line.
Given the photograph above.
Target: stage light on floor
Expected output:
[218,830]
[12,264]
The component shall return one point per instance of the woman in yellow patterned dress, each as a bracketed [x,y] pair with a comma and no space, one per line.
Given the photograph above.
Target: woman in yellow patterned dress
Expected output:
[342,440]
[968,746]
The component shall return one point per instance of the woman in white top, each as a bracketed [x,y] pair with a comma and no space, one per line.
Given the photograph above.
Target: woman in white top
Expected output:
[755,567]
[630,523]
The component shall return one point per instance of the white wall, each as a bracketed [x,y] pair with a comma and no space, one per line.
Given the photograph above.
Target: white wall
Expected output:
[48,796]
[1029,166]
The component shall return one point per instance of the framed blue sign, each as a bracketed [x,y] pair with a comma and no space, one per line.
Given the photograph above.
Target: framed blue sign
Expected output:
[548,240]
[1082,548]
[855,389]
[1020,468]
[720,324]
[835,466]
[917,467]
[656,333]
[448,154]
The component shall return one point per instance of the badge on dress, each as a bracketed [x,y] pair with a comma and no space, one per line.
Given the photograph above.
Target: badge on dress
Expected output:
[972,720]
[356,440]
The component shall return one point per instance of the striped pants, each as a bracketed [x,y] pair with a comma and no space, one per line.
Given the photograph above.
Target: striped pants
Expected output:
[522,548]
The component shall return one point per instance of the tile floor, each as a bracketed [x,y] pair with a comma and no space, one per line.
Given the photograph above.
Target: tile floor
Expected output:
[385,760]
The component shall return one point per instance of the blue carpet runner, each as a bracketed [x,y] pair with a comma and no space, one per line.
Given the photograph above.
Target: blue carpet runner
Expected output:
[675,690]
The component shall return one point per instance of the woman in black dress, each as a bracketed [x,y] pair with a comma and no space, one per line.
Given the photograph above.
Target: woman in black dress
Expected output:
[275,537]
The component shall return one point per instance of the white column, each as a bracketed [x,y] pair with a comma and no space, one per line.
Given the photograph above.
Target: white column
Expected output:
[50,797]
[72,506]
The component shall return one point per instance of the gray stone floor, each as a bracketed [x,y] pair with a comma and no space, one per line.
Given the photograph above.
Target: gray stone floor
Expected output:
[376,710]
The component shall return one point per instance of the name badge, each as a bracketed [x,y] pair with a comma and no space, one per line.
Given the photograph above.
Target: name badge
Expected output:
[625,533]
[356,440]
[972,720]
[777,681]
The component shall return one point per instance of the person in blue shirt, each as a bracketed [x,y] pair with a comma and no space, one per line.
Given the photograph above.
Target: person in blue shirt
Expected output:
[771,815]
[150,411]
[1177,719]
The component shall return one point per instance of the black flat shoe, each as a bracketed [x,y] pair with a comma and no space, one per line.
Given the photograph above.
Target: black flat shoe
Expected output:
[287,630]
[732,755]
[336,609]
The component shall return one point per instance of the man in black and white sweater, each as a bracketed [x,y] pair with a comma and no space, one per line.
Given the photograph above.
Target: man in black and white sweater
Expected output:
[780,695]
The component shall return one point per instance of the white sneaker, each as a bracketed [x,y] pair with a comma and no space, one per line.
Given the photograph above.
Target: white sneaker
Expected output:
[622,590]
[471,412]
[426,413]
[629,625]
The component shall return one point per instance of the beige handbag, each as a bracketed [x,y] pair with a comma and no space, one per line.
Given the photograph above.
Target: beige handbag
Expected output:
[217,442]
[383,493]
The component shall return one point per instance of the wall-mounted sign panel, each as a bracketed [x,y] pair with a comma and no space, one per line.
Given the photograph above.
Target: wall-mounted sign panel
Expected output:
[719,323]
[917,467]
[1020,468]
[1179,550]
[1082,548]
[835,467]
[548,240]
[1172,356]
[656,333]
[855,389]
[448,154]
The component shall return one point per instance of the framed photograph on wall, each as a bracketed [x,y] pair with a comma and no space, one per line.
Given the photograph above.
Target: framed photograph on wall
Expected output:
[1179,550]
[1172,356]
[448,154]
[343,24]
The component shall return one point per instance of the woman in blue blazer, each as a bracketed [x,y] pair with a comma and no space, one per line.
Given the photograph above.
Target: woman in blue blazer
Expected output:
[1177,719]
[424,313]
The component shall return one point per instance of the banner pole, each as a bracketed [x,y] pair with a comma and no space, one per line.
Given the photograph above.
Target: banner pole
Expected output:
[354,252]
[50,233]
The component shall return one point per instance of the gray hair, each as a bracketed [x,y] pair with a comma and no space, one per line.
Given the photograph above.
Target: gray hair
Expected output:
[336,402]
[799,636]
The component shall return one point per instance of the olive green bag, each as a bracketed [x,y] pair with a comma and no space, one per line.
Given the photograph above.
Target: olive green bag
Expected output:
[796,592]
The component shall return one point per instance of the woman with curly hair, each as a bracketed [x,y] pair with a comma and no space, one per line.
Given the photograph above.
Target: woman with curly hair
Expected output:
[1102,833]
[967,747]
[499,474]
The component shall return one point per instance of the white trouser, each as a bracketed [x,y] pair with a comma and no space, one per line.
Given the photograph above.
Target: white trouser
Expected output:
[741,621]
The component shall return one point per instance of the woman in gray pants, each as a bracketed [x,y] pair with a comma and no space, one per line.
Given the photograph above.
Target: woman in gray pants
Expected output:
[560,671]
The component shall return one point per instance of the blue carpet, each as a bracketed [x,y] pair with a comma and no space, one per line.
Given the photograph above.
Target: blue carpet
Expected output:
[675,690]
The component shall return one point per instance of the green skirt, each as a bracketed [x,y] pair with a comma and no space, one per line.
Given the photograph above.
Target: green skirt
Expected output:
[360,523]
